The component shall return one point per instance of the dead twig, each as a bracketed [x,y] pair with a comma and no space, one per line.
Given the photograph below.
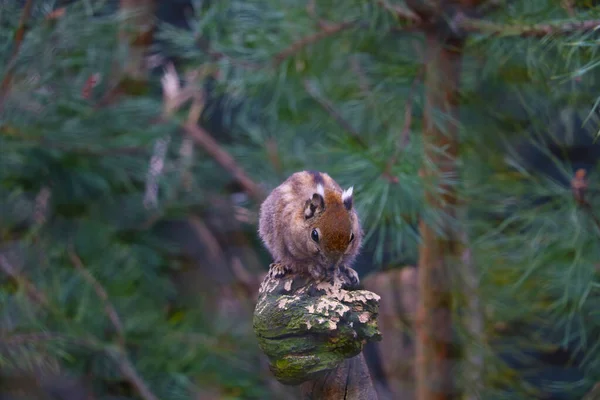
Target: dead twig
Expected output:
[330,109]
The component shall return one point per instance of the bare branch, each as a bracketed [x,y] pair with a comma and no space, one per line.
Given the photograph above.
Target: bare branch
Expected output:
[224,159]
[31,290]
[334,114]
[174,97]
[326,31]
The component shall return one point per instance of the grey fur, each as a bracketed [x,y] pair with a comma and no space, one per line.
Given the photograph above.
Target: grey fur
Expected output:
[288,216]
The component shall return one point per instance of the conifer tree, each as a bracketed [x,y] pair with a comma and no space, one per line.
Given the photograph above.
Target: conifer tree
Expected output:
[458,122]
[99,297]
[467,128]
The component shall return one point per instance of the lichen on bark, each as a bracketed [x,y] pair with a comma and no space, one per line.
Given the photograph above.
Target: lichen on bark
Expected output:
[306,328]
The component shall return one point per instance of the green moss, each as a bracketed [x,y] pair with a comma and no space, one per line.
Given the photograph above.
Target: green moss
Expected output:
[305,334]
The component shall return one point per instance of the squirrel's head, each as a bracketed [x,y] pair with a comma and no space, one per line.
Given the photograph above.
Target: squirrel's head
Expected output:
[333,229]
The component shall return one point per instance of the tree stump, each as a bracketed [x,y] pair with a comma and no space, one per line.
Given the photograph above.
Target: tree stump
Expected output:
[313,334]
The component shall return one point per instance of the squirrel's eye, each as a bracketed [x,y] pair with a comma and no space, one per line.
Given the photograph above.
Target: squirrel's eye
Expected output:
[314,235]
[351,237]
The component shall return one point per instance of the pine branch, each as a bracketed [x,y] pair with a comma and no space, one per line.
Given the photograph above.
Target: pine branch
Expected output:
[43,337]
[35,295]
[579,188]
[125,364]
[474,25]
[10,131]
[463,23]
[470,285]
[402,13]
[404,137]
[216,55]
[19,35]
[330,109]
[326,31]
[593,394]
[109,309]
[132,375]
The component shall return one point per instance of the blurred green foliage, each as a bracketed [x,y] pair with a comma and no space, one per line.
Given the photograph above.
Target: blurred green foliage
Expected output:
[73,178]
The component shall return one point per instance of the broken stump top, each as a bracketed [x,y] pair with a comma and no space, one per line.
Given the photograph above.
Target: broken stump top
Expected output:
[307,328]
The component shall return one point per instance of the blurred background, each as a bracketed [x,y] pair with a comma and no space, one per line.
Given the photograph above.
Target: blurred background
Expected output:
[139,137]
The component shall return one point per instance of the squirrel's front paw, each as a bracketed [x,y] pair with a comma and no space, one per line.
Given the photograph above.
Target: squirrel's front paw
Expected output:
[277,270]
[349,276]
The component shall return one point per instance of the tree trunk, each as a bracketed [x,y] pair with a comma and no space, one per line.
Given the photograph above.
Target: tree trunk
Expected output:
[313,334]
[440,242]
[349,381]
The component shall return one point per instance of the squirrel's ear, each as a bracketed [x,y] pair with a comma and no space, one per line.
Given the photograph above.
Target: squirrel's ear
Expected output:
[314,204]
[347,198]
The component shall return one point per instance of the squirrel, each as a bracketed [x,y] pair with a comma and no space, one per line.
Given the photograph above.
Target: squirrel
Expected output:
[309,225]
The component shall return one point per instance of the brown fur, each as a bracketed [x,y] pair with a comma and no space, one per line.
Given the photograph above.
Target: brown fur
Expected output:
[286,230]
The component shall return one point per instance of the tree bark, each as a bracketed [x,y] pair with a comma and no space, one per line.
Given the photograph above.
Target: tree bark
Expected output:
[313,334]
[349,381]
[440,247]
